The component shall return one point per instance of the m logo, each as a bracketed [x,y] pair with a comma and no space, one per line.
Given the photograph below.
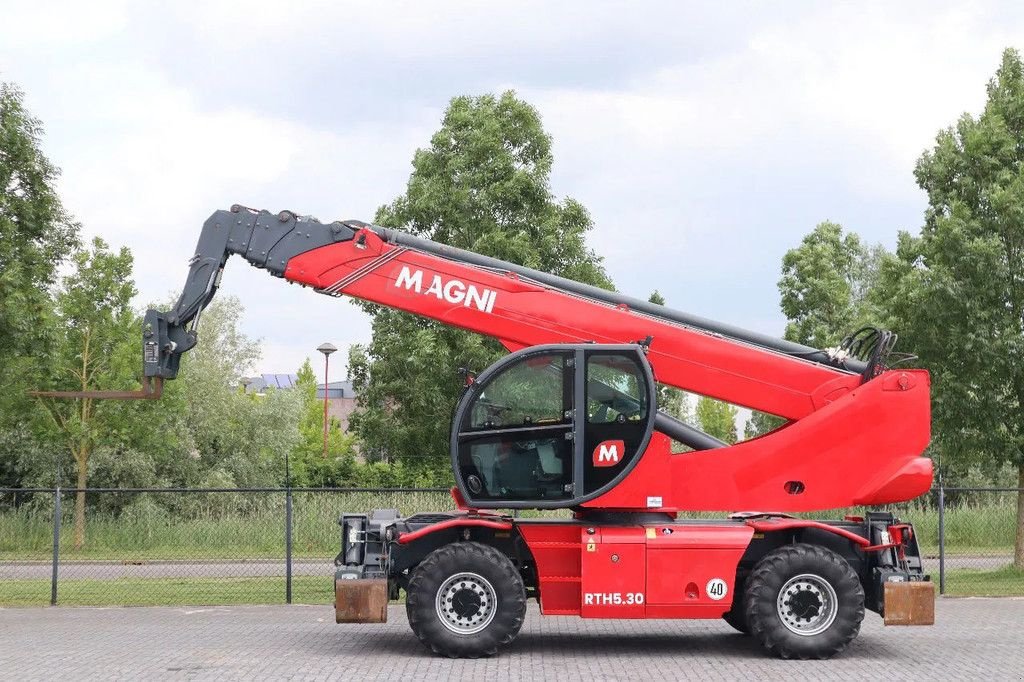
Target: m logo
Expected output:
[608,453]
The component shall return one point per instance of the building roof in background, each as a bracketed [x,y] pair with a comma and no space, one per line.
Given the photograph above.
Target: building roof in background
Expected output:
[336,389]
[280,380]
[259,384]
[262,382]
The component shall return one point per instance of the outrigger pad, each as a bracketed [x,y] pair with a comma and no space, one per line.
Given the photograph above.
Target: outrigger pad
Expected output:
[910,603]
[360,601]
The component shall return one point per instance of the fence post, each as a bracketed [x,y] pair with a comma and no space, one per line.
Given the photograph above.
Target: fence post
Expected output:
[942,538]
[56,545]
[288,545]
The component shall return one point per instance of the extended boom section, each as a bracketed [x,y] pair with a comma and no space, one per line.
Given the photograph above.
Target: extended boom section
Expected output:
[521,312]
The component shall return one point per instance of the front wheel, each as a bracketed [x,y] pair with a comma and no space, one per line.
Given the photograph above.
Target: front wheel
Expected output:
[465,600]
[804,601]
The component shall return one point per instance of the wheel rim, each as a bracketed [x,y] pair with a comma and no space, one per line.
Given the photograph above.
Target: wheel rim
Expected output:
[807,604]
[466,603]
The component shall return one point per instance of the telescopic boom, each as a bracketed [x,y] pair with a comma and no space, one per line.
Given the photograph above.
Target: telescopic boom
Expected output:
[517,305]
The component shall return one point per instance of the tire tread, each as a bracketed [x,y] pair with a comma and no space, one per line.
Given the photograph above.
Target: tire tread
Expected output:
[770,631]
[436,567]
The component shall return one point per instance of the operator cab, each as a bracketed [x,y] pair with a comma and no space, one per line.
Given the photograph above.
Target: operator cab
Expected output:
[552,426]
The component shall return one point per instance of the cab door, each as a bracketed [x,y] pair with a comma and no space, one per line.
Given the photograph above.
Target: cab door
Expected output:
[619,410]
[552,426]
[516,434]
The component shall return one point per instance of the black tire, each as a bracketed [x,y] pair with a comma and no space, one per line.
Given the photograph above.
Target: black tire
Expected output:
[484,609]
[806,621]
[737,615]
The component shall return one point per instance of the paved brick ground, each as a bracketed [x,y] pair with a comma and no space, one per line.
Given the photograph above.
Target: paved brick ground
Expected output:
[975,639]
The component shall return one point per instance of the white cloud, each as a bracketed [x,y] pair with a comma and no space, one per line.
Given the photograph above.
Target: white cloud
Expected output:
[851,74]
[705,141]
[723,163]
[144,165]
[39,27]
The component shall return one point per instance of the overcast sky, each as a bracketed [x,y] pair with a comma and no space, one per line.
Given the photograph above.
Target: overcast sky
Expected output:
[706,139]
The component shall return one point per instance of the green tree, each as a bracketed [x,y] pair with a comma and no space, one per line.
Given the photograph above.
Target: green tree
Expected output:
[827,289]
[717,418]
[483,184]
[959,286]
[825,285]
[218,435]
[309,465]
[96,349]
[36,235]
[761,423]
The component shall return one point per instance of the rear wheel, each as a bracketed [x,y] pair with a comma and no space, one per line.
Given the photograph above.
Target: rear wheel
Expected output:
[804,601]
[465,600]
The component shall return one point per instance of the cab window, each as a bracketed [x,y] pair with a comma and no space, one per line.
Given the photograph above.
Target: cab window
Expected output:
[616,391]
[531,392]
[617,396]
[515,440]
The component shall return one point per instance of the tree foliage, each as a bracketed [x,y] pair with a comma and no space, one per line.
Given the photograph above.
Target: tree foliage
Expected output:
[959,285]
[36,233]
[228,437]
[36,236]
[761,423]
[310,465]
[717,418]
[954,292]
[483,184]
[825,285]
[82,332]
[93,351]
[828,289]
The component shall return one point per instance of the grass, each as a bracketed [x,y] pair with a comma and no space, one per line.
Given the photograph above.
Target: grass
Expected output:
[975,529]
[230,526]
[968,582]
[240,526]
[247,526]
[169,591]
[219,526]
[987,526]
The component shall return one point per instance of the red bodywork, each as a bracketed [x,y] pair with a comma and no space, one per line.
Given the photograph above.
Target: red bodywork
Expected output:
[651,571]
[847,442]
[657,570]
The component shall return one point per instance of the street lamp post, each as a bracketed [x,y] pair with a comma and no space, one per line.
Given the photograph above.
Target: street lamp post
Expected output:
[326,349]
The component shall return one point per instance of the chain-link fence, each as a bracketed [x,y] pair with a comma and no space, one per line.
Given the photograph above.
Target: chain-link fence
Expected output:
[180,546]
[967,538]
[275,545]
[977,531]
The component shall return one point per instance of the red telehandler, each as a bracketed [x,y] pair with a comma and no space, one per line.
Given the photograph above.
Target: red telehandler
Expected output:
[570,420]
